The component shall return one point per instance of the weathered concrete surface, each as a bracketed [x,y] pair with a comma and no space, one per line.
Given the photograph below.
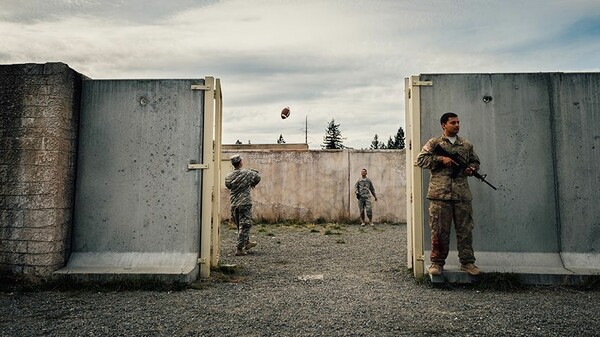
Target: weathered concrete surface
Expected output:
[39,113]
[576,130]
[318,185]
[137,207]
[538,141]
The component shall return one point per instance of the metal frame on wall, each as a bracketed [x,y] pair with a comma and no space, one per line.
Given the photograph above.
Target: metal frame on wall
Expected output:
[414,176]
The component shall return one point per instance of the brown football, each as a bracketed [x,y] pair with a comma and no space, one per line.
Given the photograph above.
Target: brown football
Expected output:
[285,113]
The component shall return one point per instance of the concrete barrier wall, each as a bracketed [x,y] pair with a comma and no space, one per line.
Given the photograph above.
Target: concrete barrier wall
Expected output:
[137,206]
[576,130]
[39,109]
[538,140]
[511,135]
[318,185]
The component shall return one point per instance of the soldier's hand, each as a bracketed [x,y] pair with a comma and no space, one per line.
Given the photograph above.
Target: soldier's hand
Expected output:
[447,161]
[469,171]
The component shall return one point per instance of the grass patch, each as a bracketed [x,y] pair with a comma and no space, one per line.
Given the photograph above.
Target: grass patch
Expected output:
[422,280]
[314,230]
[500,282]
[224,273]
[231,225]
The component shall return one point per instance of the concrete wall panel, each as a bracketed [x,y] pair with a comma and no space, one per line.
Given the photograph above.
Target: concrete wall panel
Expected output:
[134,193]
[576,100]
[537,137]
[506,133]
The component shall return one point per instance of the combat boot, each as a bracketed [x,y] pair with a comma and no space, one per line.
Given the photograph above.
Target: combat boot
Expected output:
[435,270]
[470,268]
[240,252]
[250,244]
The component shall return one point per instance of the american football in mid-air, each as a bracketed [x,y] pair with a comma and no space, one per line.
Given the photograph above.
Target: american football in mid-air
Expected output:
[285,113]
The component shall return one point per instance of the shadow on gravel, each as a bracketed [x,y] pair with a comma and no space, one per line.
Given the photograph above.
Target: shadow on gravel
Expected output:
[226,273]
[10,284]
[232,273]
[505,282]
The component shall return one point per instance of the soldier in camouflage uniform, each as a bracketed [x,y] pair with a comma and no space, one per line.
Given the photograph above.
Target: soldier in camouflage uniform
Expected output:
[363,190]
[450,197]
[239,182]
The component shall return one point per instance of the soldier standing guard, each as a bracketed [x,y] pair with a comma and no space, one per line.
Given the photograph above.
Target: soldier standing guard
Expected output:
[239,182]
[449,196]
[363,190]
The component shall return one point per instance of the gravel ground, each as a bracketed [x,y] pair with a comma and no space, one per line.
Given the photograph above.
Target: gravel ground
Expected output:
[326,280]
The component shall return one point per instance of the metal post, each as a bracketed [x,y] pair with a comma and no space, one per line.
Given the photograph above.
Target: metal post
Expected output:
[216,204]
[415,185]
[207,177]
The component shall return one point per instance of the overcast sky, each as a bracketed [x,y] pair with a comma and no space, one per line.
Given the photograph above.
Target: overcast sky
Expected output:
[327,59]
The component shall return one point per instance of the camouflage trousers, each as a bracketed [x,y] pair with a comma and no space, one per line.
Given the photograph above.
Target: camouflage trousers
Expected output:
[441,215]
[242,216]
[364,204]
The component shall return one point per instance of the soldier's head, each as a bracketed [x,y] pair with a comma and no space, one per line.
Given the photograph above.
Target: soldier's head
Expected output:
[236,161]
[450,124]
[363,172]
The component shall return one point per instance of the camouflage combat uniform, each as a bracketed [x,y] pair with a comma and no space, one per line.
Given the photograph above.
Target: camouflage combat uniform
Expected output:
[449,199]
[362,188]
[239,182]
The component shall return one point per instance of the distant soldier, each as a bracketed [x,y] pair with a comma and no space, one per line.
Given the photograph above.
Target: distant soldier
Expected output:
[449,196]
[363,190]
[239,182]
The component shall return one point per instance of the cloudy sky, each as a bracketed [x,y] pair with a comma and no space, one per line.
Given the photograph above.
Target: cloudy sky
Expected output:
[325,59]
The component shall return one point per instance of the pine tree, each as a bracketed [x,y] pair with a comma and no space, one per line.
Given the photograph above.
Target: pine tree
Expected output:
[399,139]
[333,137]
[376,144]
[391,144]
[280,140]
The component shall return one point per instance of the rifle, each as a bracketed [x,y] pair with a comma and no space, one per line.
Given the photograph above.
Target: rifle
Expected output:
[460,162]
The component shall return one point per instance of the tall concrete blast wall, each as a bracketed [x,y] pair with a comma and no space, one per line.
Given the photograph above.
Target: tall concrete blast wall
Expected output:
[538,139]
[39,110]
[318,185]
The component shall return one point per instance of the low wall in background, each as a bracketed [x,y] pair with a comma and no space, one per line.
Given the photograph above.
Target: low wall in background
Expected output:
[39,109]
[318,185]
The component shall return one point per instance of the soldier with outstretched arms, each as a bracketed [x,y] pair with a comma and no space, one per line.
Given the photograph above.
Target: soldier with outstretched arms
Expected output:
[239,182]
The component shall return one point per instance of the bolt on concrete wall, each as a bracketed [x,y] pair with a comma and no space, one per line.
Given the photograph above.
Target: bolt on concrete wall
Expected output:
[308,186]
[39,107]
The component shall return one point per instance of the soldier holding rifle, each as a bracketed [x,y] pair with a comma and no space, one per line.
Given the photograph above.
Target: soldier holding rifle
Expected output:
[449,194]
